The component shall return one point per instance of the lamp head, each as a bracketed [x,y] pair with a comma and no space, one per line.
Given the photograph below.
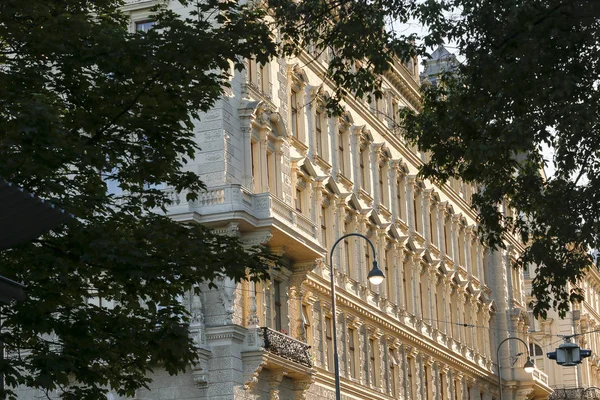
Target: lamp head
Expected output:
[529,365]
[376,275]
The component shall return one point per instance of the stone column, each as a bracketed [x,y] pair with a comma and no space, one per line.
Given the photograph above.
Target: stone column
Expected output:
[403,382]
[436,390]
[450,386]
[410,210]
[463,388]
[420,374]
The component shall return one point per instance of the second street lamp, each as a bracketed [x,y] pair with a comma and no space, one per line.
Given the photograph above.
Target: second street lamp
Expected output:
[375,276]
[528,367]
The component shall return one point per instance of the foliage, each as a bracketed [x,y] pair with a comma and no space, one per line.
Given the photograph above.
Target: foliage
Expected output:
[84,102]
[530,81]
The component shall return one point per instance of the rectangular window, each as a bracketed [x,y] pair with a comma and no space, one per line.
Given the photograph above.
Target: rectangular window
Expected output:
[399,198]
[341,160]
[381,186]
[277,303]
[294,113]
[263,75]
[410,381]
[390,276]
[298,200]
[372,354]
[318,133]
[306,322]
[433,225]
[392,373]
[421,297]
[368,265]
[363,170]
[272,179]
[426,383]
[324,226]
[144,26]
[351,353]
[395,115]
[329,343]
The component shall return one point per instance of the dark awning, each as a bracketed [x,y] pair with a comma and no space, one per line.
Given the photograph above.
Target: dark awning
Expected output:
[24,217]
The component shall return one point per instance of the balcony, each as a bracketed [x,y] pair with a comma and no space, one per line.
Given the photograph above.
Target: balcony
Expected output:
[298,233]
[284,346]
[575,394]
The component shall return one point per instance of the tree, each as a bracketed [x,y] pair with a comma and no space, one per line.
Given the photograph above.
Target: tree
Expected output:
[85,103]
[530,81]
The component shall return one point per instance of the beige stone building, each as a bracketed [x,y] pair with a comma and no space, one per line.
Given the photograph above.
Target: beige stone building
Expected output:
[583,321]
[281,171]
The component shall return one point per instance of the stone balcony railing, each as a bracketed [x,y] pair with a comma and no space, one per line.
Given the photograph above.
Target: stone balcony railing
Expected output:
[540,376]
[282,345]
[232,197]
[575,394]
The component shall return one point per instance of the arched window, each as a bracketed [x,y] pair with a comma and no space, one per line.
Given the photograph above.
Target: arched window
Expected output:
[537,354]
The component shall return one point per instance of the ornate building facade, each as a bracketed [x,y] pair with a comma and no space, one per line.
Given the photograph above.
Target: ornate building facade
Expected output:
[583,321]
[279,170]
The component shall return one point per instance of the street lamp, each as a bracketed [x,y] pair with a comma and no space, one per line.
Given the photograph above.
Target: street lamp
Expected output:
[528,367]
[375,277]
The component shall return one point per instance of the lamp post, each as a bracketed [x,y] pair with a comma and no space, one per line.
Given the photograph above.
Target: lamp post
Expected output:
[528,367]
[375,277]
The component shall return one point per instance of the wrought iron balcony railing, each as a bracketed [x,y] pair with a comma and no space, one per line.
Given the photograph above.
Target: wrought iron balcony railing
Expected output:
[590,393]
[284,346]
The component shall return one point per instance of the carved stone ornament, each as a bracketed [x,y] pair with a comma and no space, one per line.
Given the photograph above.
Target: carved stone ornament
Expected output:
[251,372]
[200,369]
